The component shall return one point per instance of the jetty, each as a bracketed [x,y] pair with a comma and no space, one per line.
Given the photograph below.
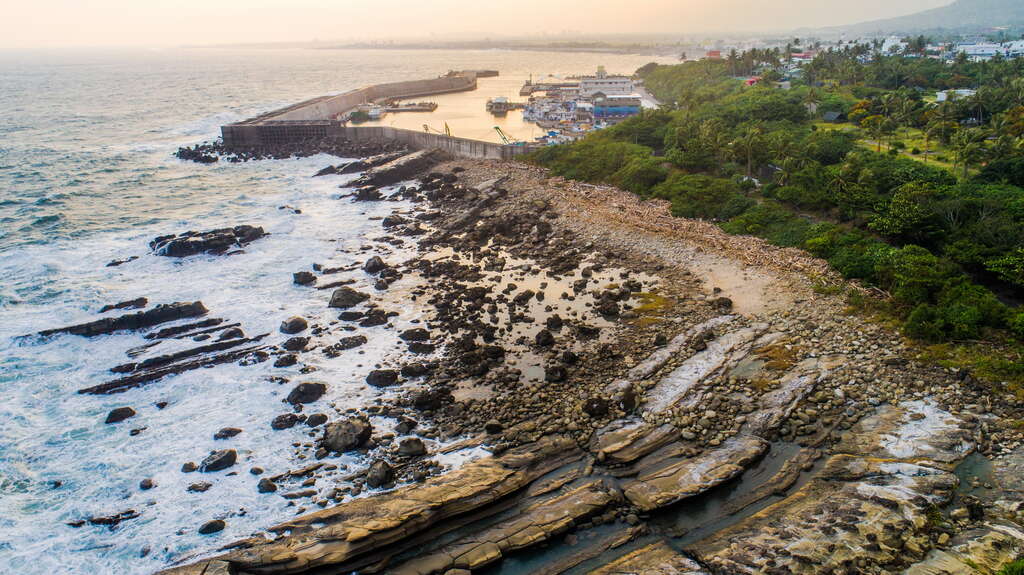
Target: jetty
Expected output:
[325,118]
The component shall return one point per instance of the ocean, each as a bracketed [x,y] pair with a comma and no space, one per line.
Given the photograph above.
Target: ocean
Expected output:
[87,176]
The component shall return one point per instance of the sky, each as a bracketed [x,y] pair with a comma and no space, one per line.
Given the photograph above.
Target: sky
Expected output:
[56,23]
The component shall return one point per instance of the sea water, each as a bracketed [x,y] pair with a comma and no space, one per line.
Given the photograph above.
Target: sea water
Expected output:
[87,176]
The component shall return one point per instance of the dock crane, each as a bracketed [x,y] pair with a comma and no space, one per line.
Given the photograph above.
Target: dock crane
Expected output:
[447,131]
[504,138]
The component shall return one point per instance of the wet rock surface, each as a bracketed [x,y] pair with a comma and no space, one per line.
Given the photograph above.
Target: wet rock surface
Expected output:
[211,242]
[637,420]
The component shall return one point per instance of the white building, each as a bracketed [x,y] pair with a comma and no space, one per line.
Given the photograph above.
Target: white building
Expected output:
[949,95]
[980,51]
[608,85]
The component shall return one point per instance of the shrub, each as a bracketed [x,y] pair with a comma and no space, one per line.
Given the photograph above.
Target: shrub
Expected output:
[915,151]
[699,196]
[1016,324]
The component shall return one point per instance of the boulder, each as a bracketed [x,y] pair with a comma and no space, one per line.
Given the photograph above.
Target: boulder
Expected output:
[342,436]
[119,414]
[294,325]
[218,460]
[382,378]
[266,486]
[307,392]
[380,473]
[304,278]
[316,420]
[415,334]
[346,297]
[227,432]
[211,242]
[412,447]
[213,526]
[284,421]
[374,265]
[295,343]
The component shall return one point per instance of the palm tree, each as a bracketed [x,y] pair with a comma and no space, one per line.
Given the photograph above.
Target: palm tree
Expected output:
[930,129]
[969,148]
[811,100]
[747,144]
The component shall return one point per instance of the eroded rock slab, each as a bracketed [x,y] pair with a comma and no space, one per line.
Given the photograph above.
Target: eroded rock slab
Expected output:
[673,480]
[654,559]
[857,512]
[366,531]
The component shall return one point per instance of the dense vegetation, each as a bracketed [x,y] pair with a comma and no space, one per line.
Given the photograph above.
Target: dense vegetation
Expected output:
[940,227]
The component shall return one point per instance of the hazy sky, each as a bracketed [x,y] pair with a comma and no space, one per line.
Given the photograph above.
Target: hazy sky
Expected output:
[46,23]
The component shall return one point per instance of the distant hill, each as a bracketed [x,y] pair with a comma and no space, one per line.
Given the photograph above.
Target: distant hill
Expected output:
[960,15]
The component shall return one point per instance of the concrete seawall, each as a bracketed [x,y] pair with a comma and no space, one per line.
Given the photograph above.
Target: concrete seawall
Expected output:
[316,119]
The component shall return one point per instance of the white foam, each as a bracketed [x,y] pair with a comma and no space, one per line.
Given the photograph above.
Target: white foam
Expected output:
[51,433]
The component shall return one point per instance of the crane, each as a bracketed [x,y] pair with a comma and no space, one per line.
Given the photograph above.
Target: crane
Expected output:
[504,138]
[447,131]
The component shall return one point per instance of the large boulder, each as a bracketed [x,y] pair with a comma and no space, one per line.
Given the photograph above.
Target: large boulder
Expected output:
[294,325]
[218,460]
[211,242]
[346,297]
[307,393]
[382,378]
[119,414]
[157,315]
[342,436]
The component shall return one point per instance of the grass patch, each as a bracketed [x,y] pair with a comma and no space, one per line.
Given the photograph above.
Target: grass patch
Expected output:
[1015,567]
[777,357]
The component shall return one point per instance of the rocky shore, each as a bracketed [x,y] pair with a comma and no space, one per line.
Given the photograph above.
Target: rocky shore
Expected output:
[653,395]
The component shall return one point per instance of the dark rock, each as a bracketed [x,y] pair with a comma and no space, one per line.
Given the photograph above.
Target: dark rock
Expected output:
[722,303]
[157,315]
[231,333]
[342,436]
[304,278]
[212,242]
[119,414]
[227,433]
[374,317]
[266,486]
[130,304]
[188,467]
[374,265]
[147,484]
[415,334]
[284,421]
[544,338]
[307,393]
[346,297]
[596,407]
[294,325]
[422,348]
[295,343]
[433,398]
[212,526]
[414,370]
[367,194]
[493,426]
[554,322]
[393,220]
[555,373]
[405,425]
[286,360]
[412,447]
[218,460]
[200,487]
[382,378]
[316,420]
[379,473]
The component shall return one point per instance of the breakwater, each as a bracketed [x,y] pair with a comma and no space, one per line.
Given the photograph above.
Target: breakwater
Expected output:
[321,118]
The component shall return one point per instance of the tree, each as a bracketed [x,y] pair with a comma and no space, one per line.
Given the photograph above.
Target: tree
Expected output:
[968,148]
[747,145]
[878,127]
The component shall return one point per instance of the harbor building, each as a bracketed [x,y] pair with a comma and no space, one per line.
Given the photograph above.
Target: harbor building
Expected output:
[605,84]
